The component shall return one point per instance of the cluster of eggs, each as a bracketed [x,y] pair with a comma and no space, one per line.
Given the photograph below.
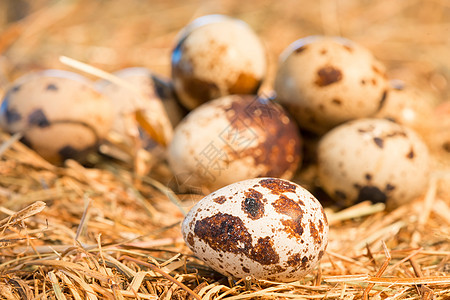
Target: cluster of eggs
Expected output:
[268,227]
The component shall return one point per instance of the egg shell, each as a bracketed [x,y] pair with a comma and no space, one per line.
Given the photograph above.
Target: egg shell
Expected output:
[373,159]
[216,56]
[268,228]
[150,95]
[408,106]
[233,138]
[60,114]
[325,81]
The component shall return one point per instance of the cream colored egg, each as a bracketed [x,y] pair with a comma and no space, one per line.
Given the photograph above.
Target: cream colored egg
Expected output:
[407,106]
[268,228]
[373,159]
[59,113]
[216,56]
[325,81]
[234,138]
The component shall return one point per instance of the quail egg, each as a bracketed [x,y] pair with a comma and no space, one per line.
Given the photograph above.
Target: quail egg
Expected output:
[155,96]
[325,81]
[216,56]
[232,138]
[59,113]
[373,159]
[268,228]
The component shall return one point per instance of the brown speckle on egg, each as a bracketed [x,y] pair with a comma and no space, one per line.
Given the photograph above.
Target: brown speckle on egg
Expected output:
[328,75]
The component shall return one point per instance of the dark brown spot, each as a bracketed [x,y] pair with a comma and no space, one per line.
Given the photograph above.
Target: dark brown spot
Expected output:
[300,49]
[220,200]
[304,261]
[227,233]
[374,81]
[446,146]
[371,193]
[320,254]
[190,239]
[68,152]
[382,100]
[389,187]
[341,195]
[263,252]
[410,154]
[294,260]
[245,84]
[253,204]
[223,232]
[289,207]
[328,75]
[379,142]
[315,233]
[336,101]
[368,176]
[278,186]
[51,87]
[246,270]
[11,114]
[363,82]
[38,118]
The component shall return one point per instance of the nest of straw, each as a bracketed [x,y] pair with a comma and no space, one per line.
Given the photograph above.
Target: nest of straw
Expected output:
[111,230]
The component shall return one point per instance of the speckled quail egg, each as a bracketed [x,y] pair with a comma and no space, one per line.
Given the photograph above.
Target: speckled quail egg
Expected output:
[325,81]
[407,106]
[233,138]
[216,56]
[151,95]
[60,114]
[373,159]
[268,228]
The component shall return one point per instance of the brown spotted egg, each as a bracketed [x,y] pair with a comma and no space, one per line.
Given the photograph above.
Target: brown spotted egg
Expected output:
[59,113]
[373,159]
[408,106]
[325,81]
[147,93]
[216,56]
[233,138]
[268,228]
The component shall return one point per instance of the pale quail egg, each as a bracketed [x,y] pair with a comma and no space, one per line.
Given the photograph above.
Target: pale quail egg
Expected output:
[373,159]
[60,114]
[216,56]
[325,81]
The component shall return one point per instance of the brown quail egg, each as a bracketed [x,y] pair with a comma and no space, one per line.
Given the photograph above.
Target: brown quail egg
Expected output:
[407,106]
[373,159]
[233,138]
[59,113]
[155,96]
[325,81]
[268,228]
[216,56]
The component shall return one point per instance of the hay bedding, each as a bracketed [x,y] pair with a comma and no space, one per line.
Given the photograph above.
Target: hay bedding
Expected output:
[110,230]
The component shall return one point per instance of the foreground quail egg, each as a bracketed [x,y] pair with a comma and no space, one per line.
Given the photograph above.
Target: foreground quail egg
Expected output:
[268,228]
[234,138]
[216,56]
[155,97]
[59,113]
[373,159]
[325,81]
